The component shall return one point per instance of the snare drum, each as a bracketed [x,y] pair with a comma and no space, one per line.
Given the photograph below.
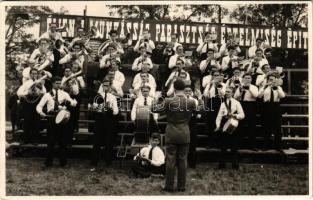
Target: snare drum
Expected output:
[230,125]
[62,117]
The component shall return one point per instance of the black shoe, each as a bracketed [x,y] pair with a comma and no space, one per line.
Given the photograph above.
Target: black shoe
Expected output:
[221,166]
[181,189]
[235,166]
[168,189]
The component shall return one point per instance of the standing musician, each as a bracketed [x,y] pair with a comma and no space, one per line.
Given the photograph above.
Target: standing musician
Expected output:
[72,83]
[119,77]
[171,80]
[258,61]
[208,43]
[110,55]
[144,81]
[230,110]
[236,79]
[143,58]
[208,75]
[247,94]
[258,45]
[271,93]
[179,56]
[105,105]
[138,79]
[41,58]
[147,101]
[206,64]
[56,102]
[30,93]
[230,62]
[145,41]
[112,41]
[231,41]
[115,87]
[262,78]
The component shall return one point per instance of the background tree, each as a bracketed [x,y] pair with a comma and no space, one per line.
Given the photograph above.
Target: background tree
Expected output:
[278,15]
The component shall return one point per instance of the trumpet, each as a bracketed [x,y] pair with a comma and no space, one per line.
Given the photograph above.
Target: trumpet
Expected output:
[69,80]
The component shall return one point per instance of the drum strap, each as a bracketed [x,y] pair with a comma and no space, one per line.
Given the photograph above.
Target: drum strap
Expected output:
[228,106]
[150,153]
[56,100]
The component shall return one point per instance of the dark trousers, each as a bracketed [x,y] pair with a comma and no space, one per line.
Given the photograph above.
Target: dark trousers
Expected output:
[176,155]
[212,107]
[192,156]
[105,134]
[229,141]
[75,111]
[146,170]
[57,133]
[247,126]
[271,121]
[31,121]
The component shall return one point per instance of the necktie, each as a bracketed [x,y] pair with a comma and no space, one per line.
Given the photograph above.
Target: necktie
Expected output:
[150,153]
[243,95]
[216,92]
[207,47]
[105,98]
[272,96]
[145,102]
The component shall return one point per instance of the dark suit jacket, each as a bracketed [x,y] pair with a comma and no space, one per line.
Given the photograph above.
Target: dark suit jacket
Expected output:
[178,111]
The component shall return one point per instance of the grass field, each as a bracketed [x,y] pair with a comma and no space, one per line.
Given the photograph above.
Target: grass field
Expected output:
[25,177]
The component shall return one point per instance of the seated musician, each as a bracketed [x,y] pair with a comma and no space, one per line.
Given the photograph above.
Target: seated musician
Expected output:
[138,79]
[52,33]
[174,41]
[119,77]
[236,79]
[115,84]
[145,41]
[112,41]
[144,80]
[110,55]
[30,93]
[261,78]
[41,58]
[179,56]
[76,55]
[145,100]
[206,64]
[230,110]
[247,94]
[179,76]
[230,61]
[54,101]
[179,67]
[258,45]
[258,61]
[105,105]
[81,38]
[143,58]
[208,75]
[216,86]
[150,159]
[271,93]
[207,44]
[72,82]
[230,41]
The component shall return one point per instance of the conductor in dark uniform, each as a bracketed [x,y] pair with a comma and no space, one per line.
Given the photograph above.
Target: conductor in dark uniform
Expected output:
[177,135]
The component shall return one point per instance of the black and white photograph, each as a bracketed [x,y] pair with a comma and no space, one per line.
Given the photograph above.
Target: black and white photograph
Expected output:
[140,98]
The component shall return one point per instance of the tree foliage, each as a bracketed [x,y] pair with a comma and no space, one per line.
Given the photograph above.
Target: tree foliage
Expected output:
[278,15]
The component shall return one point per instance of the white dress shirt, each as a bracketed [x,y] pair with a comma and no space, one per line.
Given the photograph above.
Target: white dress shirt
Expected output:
[137,87]
[68,58]
[139,101]
[204,64]
[158,157]
[265,94]
[235,108]
[252,49]
[42,58]
[105,61]
[204,46]
[110,101]
[224,51]
[206,80]
[137,64]
[250,95]
[76,84]
[230,82]
[54,36]
[25,88]
[209,91]
[119,78]
[226,60]
[49,100]
[173,60]
[105,44]
[116,85]
[149,45]
[137,80]
[260,80]
[175,73]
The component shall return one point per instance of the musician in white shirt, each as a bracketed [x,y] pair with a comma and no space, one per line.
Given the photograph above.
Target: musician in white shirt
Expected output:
[258,45]
[145,41]
[205,65]
[262,78]
[231,41]
[143,58]
[150,159]
[81,37]
[136,92]
[52,33]
[138,79]
[174,41]
[236,79]
[29,94]
[110,56]
[115,84]
[230,110]
[42,57]
[216,88]
[271,93]
[54,101]
[179,68]
[258,61]
[105,125]
[179,56]
[77,55]
[207,44]
[207,78]
[247,94]
[113,40]
[177,76]
[230,62]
